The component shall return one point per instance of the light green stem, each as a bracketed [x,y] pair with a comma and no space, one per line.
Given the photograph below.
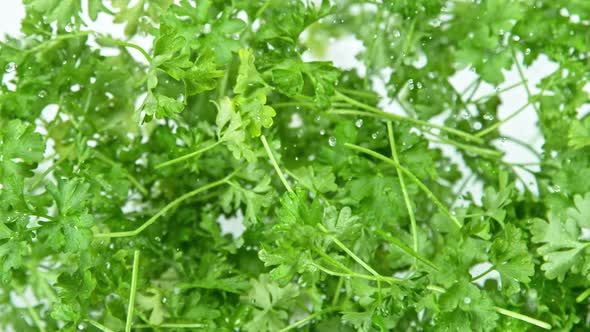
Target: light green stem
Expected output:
[275,164]
[188,155]
[307,319]
[130,177]
[405,248]
[523,318]
[132,291]
[583,296]
[350,253]
[499,123]
[409,174]
[166,209]
[126,44]
[403,187]
[395,117]
[99,325]
[173,326]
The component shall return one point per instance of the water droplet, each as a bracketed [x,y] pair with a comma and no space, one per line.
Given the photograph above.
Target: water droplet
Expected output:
[557,188]
[467,300]
[332,141]
[10,67]
[69,27]
[356,298]
[477,125]
[374,135]
[42,94]
[516,38]
[396,33]
[158,239]
[322,132]
[164,299]
[108,265]
[81,326]
[75,88]
[488,117]
[358,123]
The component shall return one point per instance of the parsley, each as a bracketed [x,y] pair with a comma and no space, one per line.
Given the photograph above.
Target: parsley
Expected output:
[120,170]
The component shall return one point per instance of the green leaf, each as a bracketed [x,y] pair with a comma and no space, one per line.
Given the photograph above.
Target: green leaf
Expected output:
[561,250]
[510,256]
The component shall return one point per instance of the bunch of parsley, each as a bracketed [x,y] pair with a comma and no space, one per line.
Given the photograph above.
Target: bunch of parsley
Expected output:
[120,166]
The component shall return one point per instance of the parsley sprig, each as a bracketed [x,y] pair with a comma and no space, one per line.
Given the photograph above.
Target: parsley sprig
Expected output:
[215,178]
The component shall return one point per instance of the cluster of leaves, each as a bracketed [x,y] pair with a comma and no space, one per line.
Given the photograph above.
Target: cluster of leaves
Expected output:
[120,171]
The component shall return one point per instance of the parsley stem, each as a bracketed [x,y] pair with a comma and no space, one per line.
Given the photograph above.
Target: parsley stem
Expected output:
[405,248]
[395,117]
[483,274]
[337,291]
[34,316]
[583,296]
[403,187]
[494,154]
[360,93]
[307,319]
[350,253]
[132,291]
[128,175]
[499,123]
[52,167]
[99,325]
[166,209]
[524,80]
[497,92]
[188,155]
[172,326]
[523,318]
[126,44]
[275,164]
[409,174]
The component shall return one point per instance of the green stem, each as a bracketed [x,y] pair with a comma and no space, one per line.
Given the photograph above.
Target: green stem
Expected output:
[126,44]
[34,316]
[130,177]
[132,291]
[52,167]
[583,296]
[337,291]
[477,84]
[523,318]
[489,153]
[307,319]
[99,325]
[499,123]
[188,155]
[408,174]
[166,209]
[172,326]
[405,248]
[403,187]
[504,312]
[484,273]
[360,93]
[390,116]
[293,104]
[275,164]
[497,92]
[56,39]
[350,253]
[524,80]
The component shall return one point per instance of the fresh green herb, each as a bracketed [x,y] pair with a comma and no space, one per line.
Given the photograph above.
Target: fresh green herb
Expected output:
[345,216]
